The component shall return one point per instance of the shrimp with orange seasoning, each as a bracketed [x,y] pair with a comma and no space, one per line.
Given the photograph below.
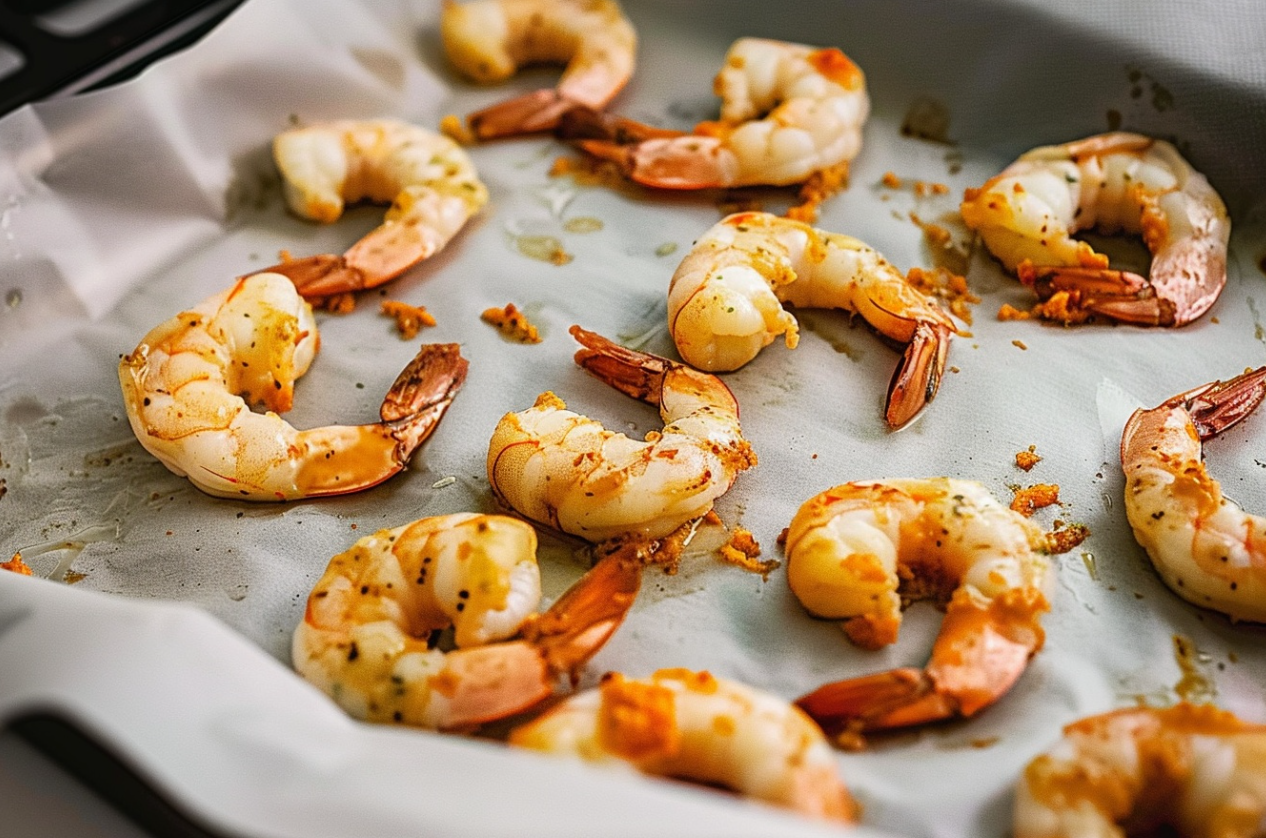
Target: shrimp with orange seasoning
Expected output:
[427,178]
[725,301]
[1187,770]
[1027,216]
[1206,548]
[787,111]
[366,636]
[695,726]
[181,389]
[855,551]
[568,472]
[489,40]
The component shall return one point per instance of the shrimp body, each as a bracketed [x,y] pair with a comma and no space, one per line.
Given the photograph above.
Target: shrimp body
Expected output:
[1115,182]
[856,550]
[489,40]
[725,302]
[569,472]
[366,634]
[691,725]
[1205,547]
[428,180]
[1188,770]
[181,388]
[787,111]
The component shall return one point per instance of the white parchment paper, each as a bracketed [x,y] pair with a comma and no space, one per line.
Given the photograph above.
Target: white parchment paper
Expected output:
[124,206]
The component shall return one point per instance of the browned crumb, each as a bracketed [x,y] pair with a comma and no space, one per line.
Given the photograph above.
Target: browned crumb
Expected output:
[1019,344]
[1010,312]
[741,550]
[947,286]
[453,127]
[923,188]
[1027,501]
[512,323]
[949,254]
[16,565]
[336,303]
[891,180]
[820,186]
[409,319]
[1063,540]
[1027,459]
[936,235]
[1062,308]
[782,536]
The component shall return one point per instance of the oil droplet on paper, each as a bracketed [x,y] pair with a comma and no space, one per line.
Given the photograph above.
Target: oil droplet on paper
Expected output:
[1092,566]
[13,298]
[543,248]
[583,224]
[1194,686]
[927,119]
[666,249]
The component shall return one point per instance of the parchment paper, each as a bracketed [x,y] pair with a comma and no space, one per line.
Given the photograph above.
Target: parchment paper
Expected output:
[122,207]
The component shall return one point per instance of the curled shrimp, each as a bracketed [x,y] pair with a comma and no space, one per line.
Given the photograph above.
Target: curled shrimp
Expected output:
[427,178]
[569,472]
[787,111]
[1187,770]
[1206,548]
[181,386]
[1027,215]
[854,551]
[489,40]
[725,300]
[694,726]
[365,638]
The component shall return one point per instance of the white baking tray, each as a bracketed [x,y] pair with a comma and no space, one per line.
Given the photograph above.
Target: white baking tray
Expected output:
[171,645]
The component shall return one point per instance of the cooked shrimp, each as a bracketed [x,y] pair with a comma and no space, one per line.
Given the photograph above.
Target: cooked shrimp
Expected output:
[1114,182]
[1206,548]
[427,178]
[725,300]
[366,635]
[787,111]
[489,40]
[1188,770]
[694,726]
[568,472]
[849,548]
[181,386]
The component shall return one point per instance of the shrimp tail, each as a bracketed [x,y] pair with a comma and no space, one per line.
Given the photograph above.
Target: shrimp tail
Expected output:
[578,624]
[890,699]
[488,683]
[1121,295]
[978,656]
[636,374]
[324,275]
[918,376]
[421,394]
[671,162]
[530,113]
[584,123]
[1220,404]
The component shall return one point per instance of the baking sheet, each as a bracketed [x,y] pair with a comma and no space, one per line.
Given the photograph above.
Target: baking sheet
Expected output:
[124,206]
